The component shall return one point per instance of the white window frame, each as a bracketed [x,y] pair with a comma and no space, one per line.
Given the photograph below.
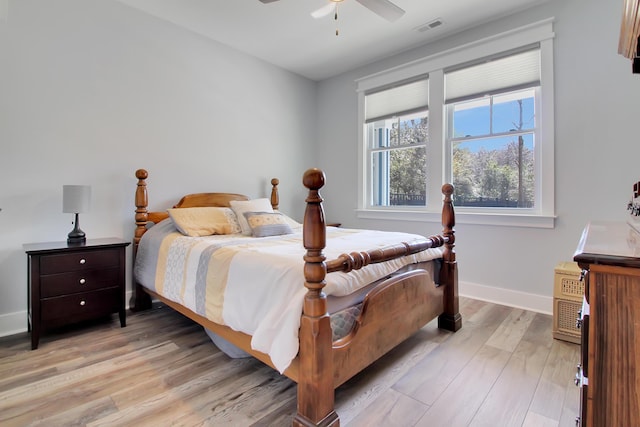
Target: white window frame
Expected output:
[543,215]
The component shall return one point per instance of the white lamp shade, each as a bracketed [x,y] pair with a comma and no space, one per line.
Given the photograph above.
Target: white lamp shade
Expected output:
[76,198]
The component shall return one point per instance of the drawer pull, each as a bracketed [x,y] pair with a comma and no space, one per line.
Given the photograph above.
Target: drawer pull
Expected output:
[83,261]
[82,302]
[83,281]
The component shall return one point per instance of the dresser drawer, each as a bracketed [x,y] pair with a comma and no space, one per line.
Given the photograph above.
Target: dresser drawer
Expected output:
[81,260]
[81,306]
[78,281]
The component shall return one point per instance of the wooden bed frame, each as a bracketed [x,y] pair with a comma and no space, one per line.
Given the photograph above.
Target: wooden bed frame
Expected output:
[394,310]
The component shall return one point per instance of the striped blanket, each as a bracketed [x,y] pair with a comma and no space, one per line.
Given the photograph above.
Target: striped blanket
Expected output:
[255,285]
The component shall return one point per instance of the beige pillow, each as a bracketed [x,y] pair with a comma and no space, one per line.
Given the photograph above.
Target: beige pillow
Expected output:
[254,205]
[204,221]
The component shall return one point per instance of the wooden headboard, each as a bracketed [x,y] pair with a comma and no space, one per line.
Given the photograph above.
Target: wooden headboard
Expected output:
[144,217]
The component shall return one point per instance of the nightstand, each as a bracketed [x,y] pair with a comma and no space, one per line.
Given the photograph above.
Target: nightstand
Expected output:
[70,283]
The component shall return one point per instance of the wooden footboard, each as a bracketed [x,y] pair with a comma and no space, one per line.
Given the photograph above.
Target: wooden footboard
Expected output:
[391,312]
[395,309]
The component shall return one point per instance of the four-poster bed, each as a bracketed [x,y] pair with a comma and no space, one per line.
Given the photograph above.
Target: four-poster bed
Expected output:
[390,309]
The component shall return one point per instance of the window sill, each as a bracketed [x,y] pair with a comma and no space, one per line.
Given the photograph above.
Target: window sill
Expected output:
[475,218]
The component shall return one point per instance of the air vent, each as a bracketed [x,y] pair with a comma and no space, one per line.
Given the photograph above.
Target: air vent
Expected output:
[429,25]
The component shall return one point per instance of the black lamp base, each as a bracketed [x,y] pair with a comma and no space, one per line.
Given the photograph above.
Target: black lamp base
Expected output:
[74,240]
[76,235]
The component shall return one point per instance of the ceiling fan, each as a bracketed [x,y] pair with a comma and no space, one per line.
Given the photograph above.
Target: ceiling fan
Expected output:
[383,8]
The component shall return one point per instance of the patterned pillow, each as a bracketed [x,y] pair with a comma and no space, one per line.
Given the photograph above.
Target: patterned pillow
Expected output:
[253,205]
[204,221]
[264,224]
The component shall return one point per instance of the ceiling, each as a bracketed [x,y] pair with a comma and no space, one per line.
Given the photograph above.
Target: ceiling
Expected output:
[285,34]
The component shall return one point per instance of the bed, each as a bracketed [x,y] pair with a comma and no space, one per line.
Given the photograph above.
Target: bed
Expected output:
[383,292]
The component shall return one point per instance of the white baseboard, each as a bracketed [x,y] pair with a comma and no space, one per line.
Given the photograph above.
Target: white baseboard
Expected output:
[511,298]
[15,323]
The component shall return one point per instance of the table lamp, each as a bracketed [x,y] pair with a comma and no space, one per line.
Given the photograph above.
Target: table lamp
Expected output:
[75,200]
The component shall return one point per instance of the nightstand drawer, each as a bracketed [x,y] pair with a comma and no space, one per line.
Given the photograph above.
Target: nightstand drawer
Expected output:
[81,260]
[80,306]
[78,281]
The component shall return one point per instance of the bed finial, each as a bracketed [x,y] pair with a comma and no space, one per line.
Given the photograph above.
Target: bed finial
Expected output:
[275,199]
[314,179]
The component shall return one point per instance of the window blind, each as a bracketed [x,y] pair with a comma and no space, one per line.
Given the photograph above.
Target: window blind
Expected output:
[398,100]
[493,76]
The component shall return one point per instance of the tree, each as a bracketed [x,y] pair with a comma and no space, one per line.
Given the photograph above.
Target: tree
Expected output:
[408,168]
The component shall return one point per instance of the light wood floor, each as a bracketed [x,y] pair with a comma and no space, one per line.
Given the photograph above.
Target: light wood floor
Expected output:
[503,368]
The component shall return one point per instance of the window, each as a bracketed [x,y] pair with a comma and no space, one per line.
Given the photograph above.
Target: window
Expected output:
[491,131]
[480,117]
[397,124]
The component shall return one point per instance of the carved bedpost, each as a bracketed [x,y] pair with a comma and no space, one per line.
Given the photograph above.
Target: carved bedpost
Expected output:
[275,200]
[451,318]
[315,382]
[140,300]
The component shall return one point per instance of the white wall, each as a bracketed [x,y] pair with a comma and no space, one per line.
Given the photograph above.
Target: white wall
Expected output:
[91,90]
[597,105]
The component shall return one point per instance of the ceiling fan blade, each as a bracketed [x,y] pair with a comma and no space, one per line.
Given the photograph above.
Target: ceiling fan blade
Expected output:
[324,10]
[384,8]
[267,1]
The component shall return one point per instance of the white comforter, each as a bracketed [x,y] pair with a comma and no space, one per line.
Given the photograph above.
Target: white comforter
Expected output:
[256,285]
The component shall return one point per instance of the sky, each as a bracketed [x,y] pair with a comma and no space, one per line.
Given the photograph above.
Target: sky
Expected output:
[473,118]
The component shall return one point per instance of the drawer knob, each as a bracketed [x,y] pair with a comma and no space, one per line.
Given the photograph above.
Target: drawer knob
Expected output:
[82,302]
[83,281]
[83,261]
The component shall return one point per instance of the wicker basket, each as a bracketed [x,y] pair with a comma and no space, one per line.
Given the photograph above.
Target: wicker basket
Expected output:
[568,291]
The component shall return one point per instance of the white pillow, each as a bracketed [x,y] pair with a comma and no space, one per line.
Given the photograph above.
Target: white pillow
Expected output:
[254,205]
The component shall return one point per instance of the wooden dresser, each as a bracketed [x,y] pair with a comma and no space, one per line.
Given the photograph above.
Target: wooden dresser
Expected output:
[609,372]
[70,283]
